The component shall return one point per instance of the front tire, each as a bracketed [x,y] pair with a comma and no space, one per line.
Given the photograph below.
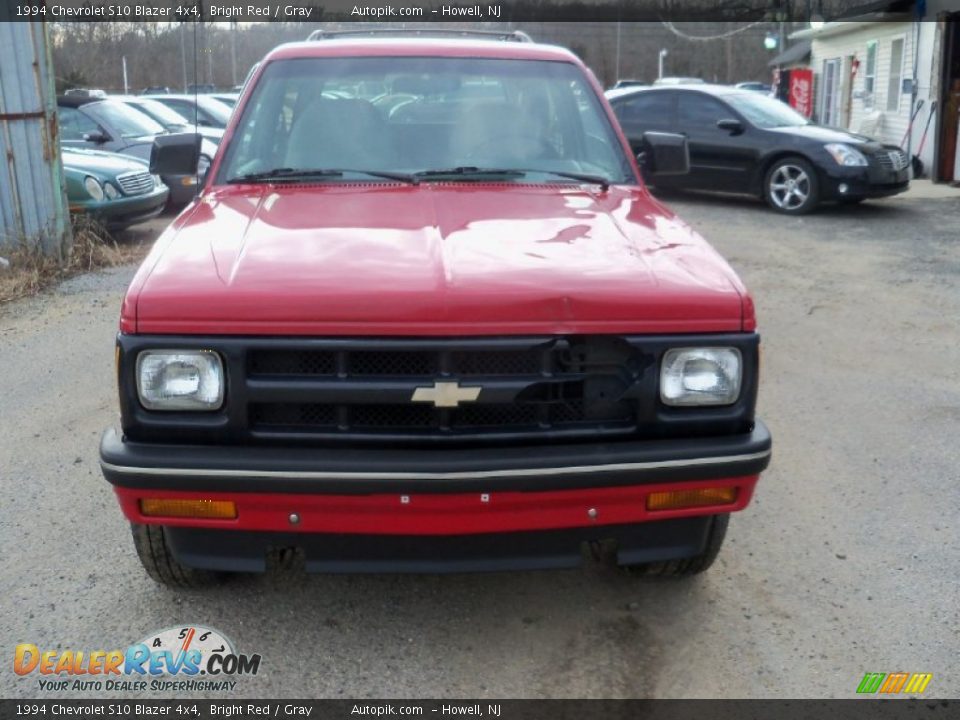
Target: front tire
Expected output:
[686,567]
[791,186]
[161,565]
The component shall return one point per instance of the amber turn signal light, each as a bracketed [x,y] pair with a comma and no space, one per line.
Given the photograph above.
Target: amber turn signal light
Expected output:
[216,509]
[679,499]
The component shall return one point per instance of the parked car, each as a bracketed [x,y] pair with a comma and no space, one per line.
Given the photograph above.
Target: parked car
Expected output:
[156,90]
[85,93]
[105,124]
[744,142]
[229,99]
[754,87]
[117,190]
[679,81]
[629,83]
[171,120]
[201,88]
[460,336]
[205,110]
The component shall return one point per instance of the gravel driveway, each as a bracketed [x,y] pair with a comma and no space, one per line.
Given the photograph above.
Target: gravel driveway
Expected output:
[846,562]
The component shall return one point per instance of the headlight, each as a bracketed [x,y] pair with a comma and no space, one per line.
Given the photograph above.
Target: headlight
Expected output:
[93,187]
[846,155]
[110,191]
[157,181]
[180,379]
[700,376]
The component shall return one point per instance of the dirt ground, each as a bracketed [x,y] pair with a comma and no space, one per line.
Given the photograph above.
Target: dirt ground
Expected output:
[846,562]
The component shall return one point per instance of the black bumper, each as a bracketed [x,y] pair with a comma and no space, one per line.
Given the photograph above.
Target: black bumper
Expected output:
[242,551]
[863,183]
[362,471]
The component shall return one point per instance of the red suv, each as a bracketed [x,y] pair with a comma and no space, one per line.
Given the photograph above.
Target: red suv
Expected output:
[424,316]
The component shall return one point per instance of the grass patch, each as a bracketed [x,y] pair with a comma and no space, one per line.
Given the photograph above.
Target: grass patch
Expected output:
[93,248]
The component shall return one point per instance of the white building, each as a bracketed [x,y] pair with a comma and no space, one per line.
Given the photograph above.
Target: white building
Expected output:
[873,72]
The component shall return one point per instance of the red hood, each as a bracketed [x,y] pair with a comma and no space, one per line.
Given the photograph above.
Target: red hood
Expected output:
[432,260]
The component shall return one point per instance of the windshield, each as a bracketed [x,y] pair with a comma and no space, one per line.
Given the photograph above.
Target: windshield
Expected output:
[765,112]
[159,112]
[219,111]
[415,114]
[125,120]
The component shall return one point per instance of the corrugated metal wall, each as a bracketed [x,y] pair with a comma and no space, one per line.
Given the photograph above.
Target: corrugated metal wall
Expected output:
[33,206]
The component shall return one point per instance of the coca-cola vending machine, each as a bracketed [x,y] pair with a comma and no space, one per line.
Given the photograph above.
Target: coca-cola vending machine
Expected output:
[795,87]
[800,93]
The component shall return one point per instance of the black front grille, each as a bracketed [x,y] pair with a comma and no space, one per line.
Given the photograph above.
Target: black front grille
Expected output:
[499,415]
[358,392]
[399,363]
[270,362]
[389,417]
[526,389]
[294,415]
[891,159]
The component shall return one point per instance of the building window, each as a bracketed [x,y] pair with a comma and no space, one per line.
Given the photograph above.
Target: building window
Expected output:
[895,82]
[870,75]
[830,92]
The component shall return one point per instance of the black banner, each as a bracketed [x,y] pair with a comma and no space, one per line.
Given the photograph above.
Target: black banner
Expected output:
[443,10]
[860,709]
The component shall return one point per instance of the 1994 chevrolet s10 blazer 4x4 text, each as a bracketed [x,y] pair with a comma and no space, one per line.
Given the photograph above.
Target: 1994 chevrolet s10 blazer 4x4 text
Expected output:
[424,316]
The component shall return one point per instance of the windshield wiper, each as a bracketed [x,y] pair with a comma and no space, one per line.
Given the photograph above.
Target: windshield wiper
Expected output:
[470,171]
[581,177]
[287,174]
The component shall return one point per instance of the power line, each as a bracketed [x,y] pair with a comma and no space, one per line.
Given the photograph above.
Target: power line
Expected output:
[707,38]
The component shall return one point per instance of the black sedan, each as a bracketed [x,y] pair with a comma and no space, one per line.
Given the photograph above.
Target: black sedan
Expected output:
[743,142]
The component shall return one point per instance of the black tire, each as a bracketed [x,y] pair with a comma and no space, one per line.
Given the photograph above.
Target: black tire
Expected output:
[791,187]
[161,565]
[686,567]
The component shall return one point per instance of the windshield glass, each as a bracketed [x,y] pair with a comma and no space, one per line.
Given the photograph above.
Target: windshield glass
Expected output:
[765,112]
[125,120]
[415,114]
[159,112]
[219,111]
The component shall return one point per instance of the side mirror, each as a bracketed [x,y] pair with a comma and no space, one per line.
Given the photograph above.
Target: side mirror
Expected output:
[175,154]
[664,154]
[734,127]
[97,137]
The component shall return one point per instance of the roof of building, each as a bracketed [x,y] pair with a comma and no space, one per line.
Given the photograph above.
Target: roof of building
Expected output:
[799,52]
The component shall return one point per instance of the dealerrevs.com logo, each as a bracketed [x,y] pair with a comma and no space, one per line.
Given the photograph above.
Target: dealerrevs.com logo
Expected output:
[894,683]
[191,658]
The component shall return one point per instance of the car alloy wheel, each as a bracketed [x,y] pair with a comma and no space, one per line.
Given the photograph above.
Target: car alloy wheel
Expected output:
[790,187]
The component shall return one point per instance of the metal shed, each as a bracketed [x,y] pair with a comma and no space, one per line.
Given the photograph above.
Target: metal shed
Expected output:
[33,204]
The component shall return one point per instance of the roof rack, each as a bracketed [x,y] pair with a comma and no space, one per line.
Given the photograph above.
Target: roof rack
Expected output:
[505,35]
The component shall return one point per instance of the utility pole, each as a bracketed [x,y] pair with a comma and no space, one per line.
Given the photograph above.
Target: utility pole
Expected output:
[663,54]
[126,88]
[183,57]
[785,14]
[208,45]
[617,64]
[233,54]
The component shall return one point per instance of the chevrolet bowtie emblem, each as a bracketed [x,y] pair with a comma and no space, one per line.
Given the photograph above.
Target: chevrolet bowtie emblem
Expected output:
[446,394]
